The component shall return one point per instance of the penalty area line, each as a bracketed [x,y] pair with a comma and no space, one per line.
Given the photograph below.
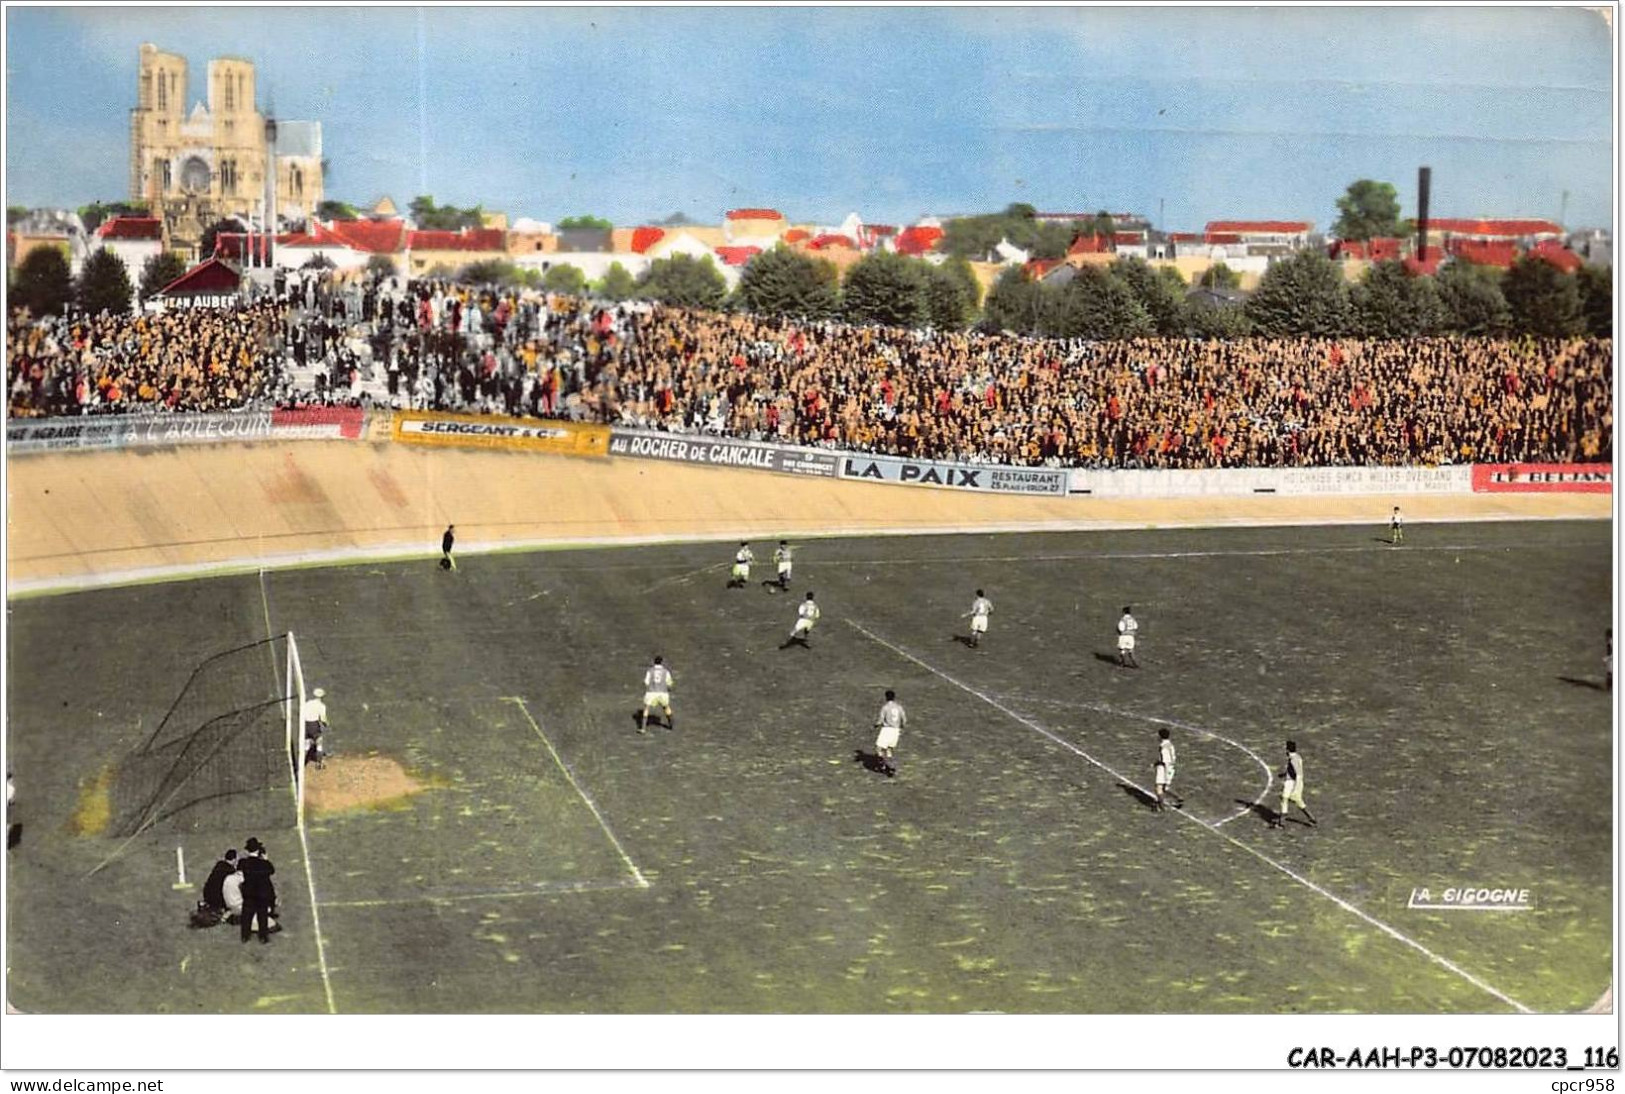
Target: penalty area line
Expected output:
[1391,932]
[524,708]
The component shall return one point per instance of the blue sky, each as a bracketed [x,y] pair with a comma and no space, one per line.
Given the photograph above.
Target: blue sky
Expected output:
[635,113]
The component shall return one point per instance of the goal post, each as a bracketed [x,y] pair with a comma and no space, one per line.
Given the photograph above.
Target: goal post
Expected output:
[297,744]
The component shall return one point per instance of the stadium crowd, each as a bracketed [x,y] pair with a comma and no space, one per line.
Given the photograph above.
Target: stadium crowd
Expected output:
[958,396]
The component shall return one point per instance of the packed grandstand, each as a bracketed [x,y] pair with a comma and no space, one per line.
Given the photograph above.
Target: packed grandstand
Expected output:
[948,395]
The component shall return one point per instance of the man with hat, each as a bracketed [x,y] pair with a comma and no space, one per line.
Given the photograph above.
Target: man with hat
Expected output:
[259,892]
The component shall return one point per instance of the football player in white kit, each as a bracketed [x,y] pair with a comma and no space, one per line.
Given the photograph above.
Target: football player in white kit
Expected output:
[1166,755]
[741,571]
[1127,627]
[806,618]
[1291,777]
[1396,529]
[656,694]
[980,609]
[782,563]
[889,723]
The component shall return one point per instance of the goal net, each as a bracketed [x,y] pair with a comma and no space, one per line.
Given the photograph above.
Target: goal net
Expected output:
[227,754]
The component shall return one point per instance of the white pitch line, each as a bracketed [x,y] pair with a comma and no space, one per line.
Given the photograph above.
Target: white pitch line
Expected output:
[1109,556]
[541,889]
[304,840]
[685,577]
[1269,774]
[524,708]
[1398,936]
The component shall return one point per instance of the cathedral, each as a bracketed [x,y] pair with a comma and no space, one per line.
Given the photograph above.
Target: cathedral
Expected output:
[196,166]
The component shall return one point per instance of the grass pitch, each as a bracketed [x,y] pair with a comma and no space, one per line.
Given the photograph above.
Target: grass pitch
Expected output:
[1446,695]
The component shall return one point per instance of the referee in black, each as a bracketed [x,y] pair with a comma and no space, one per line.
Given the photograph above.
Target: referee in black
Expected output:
[259,893]
[446,542]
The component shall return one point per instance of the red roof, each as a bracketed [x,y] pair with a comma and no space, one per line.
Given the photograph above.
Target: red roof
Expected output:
[1259,227]
[1221,237]
[1415,266]
[1089,245]
[1510,229]
[1038,267]
[755,214]
[881,229]
[1185,237]
[832,239]
[1386,250]
[796,235]
[370,236]
[131,228]
[1376,250]
[1558,255]
[917,240]
[1483,252]
[213,276]
[469,239]
[737,256]
[644,238]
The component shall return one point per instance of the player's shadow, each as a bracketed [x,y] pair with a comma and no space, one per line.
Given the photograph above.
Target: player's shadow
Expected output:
[869,760]
[1581,682]
[1257,809]
[655,721]
[792,641]
[964,640]
[1147,800]
[14,836]
[1109,658]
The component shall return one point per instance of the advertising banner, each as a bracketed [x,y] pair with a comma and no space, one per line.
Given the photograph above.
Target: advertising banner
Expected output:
[1543,478]
[1240,481]
[988,478]
[110,431]
[319,422]
[515,434]
[719,452]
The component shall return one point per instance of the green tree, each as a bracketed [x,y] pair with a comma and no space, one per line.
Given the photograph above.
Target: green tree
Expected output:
[489,271]
[1390,303]
[1368,210]
[1543,300]
[789,283]
[1096,305]
[380,265]
[598,223]
[1014,303]
[44,283]
[1162,297]
[1472,299]
[1219,276]
[1211,320]
[104,284]
[683,280]
[14,213]
[159,271]
[617,283]
[975,237]
[336,210]
[444,218]
[887,289]
[1596,285]
[566,279]
[949,300]
[1302,294]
